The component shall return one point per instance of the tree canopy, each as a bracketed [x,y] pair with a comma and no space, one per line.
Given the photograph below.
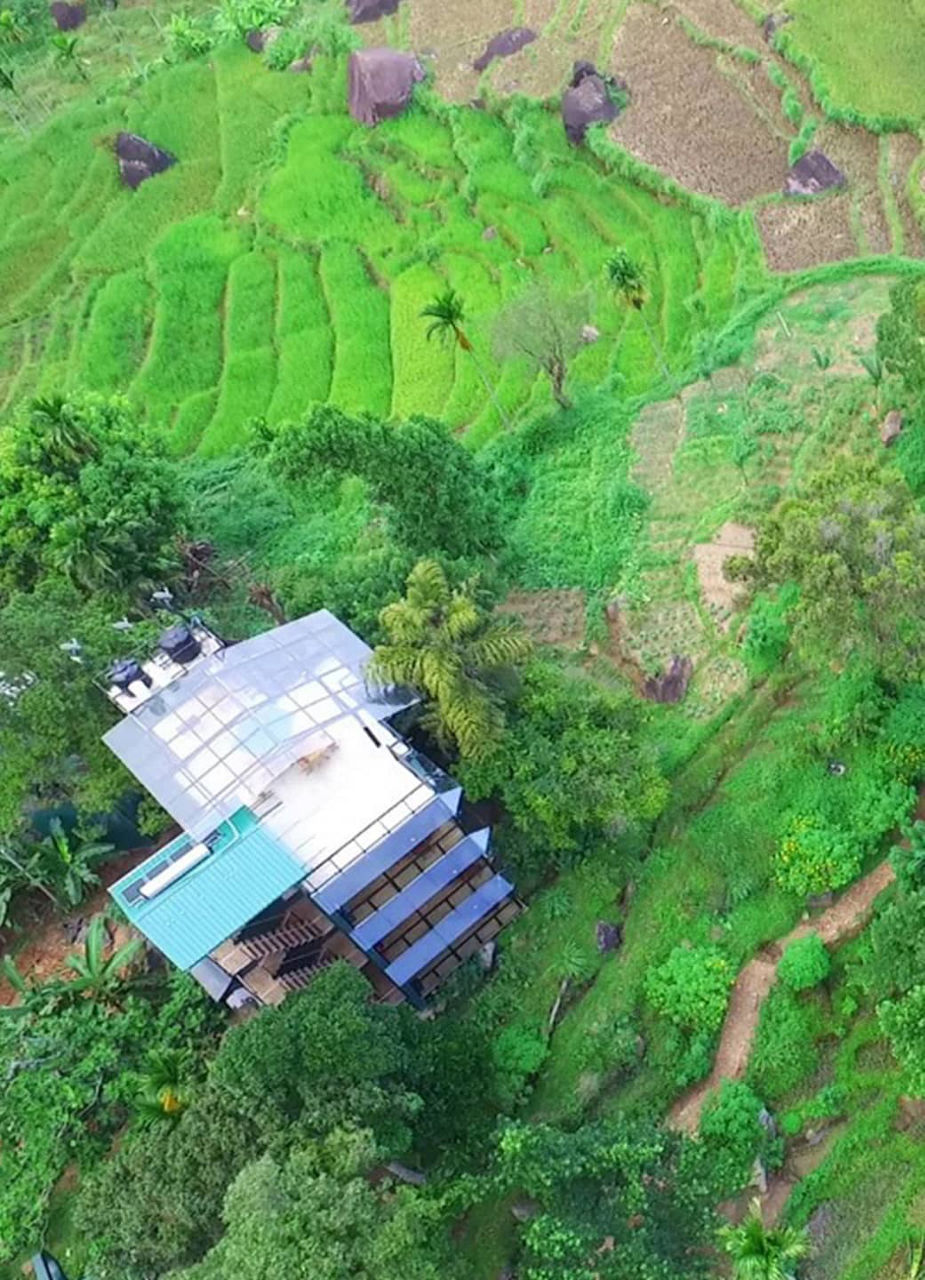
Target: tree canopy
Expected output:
[87,494]
[853,540]
[443,644]
[572,766]
[435,494]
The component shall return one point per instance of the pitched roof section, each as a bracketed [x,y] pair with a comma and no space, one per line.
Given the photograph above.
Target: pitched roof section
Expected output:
[246,870]
[213,741]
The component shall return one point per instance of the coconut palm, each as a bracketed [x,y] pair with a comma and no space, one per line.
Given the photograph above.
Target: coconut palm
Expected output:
[628,280]
[445,647]
[447,315]
[162,1096]
[97,974]
[763,1253]
[59,440]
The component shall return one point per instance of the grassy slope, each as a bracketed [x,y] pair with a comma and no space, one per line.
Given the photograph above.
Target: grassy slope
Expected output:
[868,56]
[259,274]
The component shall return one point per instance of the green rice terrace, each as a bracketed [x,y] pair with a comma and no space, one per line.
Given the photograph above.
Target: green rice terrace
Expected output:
[570,354]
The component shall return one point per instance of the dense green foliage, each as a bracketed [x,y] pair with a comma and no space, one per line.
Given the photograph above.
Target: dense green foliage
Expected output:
[691,987]
[572,769]
[853,540]
[804,964]
[70,1071]
[616,1200]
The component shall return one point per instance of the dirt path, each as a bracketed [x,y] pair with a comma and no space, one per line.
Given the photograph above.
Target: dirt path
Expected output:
[844,918]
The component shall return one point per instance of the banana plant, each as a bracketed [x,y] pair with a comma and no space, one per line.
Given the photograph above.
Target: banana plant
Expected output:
[98,975]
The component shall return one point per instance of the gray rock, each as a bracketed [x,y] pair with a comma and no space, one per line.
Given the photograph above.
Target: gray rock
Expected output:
[812,174]
[818,901]
[524,1210]
[68,17]
[589,334]
[488,956]
[370,10]
[608,936]
[773,23]
[891,427]
[671,685]
[260,38]
[759,1177]
[490,233]
[767,1122]
[503,45]
[585,104]
[381,83]
[139,159]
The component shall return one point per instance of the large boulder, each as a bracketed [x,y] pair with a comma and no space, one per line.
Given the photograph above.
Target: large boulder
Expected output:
[370,10]
[380,83]
[68,17]
[585,102]
[671,685]
[139,159]
[260,38]
[812,174]
[503,45]
[773,23]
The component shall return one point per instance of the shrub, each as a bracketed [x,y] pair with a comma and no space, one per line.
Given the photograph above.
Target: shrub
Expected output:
[904,733]
[784,1052]
[767,635]
[814,858]
[611,1045]
[730,1124]
[518,1054]
[903,1021]
[804,964]
[690,988]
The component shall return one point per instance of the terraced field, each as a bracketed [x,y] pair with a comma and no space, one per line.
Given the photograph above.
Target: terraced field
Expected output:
[275,266]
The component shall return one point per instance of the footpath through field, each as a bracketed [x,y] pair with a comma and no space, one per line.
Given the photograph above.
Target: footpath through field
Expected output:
[753,985]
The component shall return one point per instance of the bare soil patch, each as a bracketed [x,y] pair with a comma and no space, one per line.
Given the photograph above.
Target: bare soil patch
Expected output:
[51,934]
[722,596]
[451,36]
[904,151]
[799,234]
[689,119]
[723,20]
[550,617]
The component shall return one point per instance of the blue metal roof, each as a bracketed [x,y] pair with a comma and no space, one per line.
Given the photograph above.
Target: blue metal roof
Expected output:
[421,889]
[246,871]
[423,952]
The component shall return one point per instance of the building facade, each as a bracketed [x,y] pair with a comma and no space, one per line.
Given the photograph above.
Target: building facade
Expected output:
[311,831]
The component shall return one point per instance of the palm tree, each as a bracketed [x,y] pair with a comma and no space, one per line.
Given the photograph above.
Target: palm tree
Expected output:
[763,1253]
[82,555]
[99,975]
[454,654]
[61,441]
[447,314]
[628,281]
[162,1096]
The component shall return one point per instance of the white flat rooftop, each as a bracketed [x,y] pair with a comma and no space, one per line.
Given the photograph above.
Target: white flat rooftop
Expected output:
[214,738]
[343,799]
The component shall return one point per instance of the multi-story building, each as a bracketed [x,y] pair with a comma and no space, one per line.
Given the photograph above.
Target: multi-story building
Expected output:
[311,830]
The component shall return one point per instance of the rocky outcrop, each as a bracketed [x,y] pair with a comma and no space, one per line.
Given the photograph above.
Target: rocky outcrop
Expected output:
[381,83]
[139,159]
[503,45]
